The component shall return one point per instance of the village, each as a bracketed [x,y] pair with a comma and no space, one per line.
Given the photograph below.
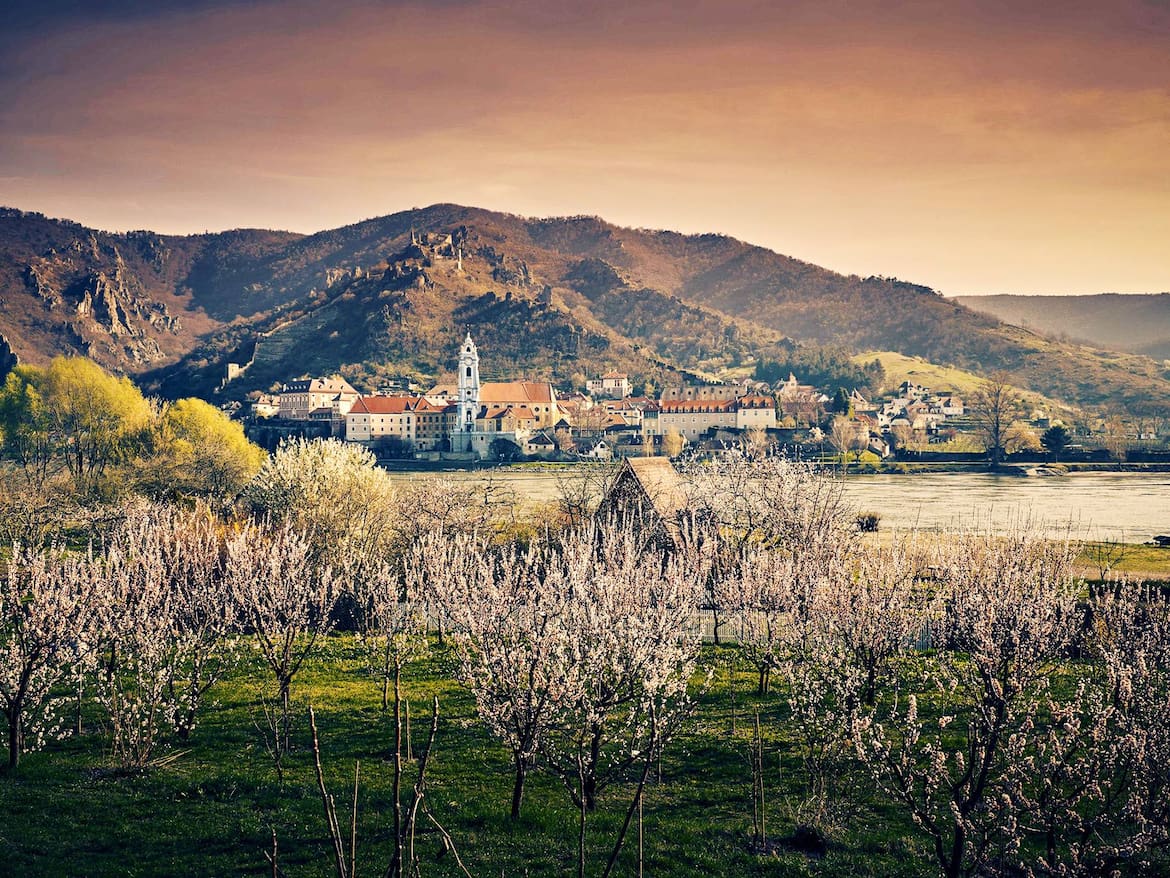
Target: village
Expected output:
[466,419]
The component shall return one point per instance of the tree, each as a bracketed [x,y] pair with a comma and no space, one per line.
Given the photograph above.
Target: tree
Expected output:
[99,419]
[200,451]
[164,613]
[672,442]
[394,448]
[218,456]
[45,624]
[739,505]
[1009,614]
[30,515]
[581,490]
[755,442]
[24,425]
[843,437]
[73,415]
[871,613]
[334,493]
[1055,439]
[1020,438]
[507,613]
[286,597]
[579,647]
[1116,436]
[993,407]
[902,435]
[842,403]
[631,652]
[394,633]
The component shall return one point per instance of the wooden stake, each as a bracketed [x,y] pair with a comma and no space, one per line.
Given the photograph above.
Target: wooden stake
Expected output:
[760,763]
[640,859]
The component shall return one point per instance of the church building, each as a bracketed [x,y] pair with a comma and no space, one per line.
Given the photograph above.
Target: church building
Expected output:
[491,410]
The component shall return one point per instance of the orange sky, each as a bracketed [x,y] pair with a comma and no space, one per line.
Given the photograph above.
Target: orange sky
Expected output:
[971,146]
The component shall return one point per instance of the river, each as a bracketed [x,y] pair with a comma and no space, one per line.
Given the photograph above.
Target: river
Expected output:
[1120,506]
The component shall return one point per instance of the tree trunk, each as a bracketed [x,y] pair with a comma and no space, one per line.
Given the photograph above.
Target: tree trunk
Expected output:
[590,781]
[637,803]
[518,787]
[15,737]
[285,688]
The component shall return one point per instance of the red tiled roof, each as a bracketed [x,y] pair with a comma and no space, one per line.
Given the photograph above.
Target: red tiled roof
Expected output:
[496,410]
[384,405]
[504,391]
[516,391]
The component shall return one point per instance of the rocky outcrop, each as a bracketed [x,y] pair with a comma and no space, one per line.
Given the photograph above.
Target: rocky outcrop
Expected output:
[8,358]
[101,306]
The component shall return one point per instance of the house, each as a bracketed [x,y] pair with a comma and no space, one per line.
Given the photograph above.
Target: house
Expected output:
[266,406]
[952,406]
[704,392]
[801,402]
[539,444]
[861,405]
[375,417]
[613,385]
[648,491]
[298,399]
[693,418]
[423,423]
[507,418]
[434,419]
[599,450]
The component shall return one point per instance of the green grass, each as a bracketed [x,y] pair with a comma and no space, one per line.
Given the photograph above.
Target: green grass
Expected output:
[1135,560]
[902,367]
[212,809]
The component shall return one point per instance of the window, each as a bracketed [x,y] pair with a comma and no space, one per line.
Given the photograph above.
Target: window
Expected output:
[468,371]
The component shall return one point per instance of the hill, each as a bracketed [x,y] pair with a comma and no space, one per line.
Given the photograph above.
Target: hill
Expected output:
[558,298]
[1139,324]
[897,368]
[128,301]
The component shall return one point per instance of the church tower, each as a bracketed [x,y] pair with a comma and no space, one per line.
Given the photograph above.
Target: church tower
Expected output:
[468,392]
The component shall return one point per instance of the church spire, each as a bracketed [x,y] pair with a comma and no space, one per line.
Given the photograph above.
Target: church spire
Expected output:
[468,390]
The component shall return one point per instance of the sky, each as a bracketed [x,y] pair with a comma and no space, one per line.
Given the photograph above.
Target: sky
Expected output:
[976,146]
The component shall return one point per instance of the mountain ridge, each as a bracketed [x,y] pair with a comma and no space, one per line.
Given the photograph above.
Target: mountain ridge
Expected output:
[568,296]
[1134,322]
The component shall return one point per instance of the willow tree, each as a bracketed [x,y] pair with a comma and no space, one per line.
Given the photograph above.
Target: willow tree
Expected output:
[71,415]
[199,450]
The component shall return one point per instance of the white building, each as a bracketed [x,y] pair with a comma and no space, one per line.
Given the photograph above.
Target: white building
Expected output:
[693,418]
[613,385]
[300,399]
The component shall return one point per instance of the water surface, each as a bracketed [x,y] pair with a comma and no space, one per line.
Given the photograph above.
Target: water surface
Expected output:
[1124,506]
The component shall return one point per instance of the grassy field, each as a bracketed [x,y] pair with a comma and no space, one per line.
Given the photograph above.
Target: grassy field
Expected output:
[211,809]
[900,367]
[1134,560]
